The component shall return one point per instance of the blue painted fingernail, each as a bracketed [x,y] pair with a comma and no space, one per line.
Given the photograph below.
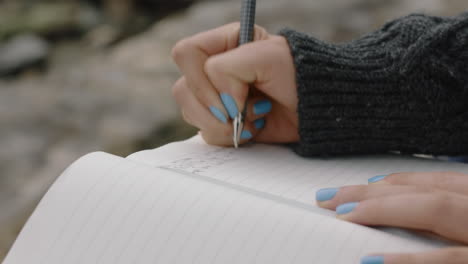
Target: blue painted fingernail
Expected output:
[376,179]
[372,260]
[326,194]
[259,123]
[346,208]
[262,107]
[246,134]
[218,114]
[230,105]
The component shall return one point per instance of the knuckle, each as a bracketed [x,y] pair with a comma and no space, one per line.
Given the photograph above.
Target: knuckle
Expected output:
[180,49]
[260,32]
[212,64]
[199,92]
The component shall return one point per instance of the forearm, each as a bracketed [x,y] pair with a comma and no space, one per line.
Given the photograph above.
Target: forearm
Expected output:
[401,88]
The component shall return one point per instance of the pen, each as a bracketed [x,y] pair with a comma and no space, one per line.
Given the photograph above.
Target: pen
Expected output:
[246,35]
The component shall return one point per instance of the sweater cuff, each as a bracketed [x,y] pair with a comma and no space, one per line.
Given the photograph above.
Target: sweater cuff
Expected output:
[349,96]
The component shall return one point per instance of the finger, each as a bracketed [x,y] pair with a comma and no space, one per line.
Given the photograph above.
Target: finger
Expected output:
[442,213]
[449,181]
[191,61]
[193,111]
[251,130]
[259,63]
[456,255]
[257,108]
[224,137]
[330,198]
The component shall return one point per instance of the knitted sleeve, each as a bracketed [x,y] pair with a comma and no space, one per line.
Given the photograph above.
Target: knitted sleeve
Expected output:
[402,88]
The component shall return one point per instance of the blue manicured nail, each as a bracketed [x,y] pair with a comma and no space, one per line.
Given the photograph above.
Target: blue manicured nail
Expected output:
[218,114]
[346,208]
[326,194]
[230,105]
[372,260]
[259,124]
[376,179]
[246,134]
[262,107]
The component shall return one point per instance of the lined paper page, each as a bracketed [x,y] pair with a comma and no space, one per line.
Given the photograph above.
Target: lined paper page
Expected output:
[278,171]
[110,210]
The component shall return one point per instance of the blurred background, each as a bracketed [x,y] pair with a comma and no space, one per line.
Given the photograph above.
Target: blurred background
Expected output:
[83,75]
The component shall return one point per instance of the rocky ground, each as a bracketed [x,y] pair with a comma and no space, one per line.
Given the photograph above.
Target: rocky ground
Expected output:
[79,97]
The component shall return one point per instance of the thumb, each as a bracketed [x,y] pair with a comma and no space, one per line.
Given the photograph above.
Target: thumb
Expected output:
[267,64]
[447,256]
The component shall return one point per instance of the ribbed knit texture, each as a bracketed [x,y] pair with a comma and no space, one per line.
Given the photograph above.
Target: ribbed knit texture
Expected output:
[402,88]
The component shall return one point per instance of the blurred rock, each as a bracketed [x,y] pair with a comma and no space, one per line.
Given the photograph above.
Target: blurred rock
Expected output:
[21,52]
[102,36]
[122,11]
[47,18]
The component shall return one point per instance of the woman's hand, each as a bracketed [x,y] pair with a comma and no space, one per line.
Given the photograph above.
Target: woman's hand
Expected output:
[435,202]
[215,84]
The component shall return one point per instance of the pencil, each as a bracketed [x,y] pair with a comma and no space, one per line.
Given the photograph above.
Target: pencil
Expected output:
[247,21]
[246,35]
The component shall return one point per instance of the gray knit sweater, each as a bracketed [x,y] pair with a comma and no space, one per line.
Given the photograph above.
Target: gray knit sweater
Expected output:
[401,88]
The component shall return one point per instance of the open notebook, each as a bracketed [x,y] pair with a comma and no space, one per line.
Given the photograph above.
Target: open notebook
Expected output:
[192,203]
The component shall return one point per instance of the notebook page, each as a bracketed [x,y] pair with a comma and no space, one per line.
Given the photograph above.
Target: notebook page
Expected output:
[278,171]
[63,202]
[107,210]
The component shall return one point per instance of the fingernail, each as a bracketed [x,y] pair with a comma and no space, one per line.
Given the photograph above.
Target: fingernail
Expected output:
[259,124]
[372,260]
[246,134]
[230,105]
[346,208]
[376,179]
[326,194]
[262,107]
[218,114]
